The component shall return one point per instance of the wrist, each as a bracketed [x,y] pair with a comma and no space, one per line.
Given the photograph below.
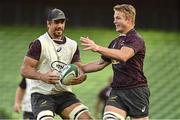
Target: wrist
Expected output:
[40,76]
[98,48]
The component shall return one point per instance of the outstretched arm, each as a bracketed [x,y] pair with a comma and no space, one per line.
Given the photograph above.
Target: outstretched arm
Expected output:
[95,66]
[123,54]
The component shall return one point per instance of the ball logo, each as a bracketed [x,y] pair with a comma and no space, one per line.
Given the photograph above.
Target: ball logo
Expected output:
[57,65]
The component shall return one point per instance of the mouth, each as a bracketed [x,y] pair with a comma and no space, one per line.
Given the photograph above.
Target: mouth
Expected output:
[59,31]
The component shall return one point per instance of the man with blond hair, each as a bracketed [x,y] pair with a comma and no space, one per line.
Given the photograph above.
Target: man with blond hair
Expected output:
[130,92]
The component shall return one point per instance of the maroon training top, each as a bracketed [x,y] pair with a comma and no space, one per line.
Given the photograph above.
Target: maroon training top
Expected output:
[128,74]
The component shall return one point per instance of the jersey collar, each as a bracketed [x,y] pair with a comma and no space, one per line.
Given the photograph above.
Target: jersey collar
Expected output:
[58,41]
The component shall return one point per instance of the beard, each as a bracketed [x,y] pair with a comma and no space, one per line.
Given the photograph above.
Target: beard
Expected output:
[58,33]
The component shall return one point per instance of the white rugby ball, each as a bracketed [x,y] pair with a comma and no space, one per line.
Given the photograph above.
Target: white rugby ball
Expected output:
[68,73]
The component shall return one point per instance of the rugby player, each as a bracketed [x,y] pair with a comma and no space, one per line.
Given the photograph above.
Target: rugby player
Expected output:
[23,100]
[130,92]
[49,53]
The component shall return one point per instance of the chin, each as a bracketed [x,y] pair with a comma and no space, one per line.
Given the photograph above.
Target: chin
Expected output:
[58,34]
[119,30]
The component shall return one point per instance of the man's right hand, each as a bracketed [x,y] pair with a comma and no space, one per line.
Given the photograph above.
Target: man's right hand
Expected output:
[51,77]
[17,107]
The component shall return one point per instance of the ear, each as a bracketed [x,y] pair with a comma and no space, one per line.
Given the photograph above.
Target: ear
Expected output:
[129,20]
[48,23]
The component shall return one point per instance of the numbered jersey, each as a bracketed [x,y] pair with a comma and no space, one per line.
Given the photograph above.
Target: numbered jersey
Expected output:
[53,56]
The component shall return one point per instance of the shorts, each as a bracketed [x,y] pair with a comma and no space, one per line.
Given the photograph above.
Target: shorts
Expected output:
[28,116]
[134,101]
[55,103]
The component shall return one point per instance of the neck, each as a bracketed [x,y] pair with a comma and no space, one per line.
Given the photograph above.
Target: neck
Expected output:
[127,30]
[54,37]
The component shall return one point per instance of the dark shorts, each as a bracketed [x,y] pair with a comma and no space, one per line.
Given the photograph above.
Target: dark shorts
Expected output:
[28,116]
[134,101]
[55,103]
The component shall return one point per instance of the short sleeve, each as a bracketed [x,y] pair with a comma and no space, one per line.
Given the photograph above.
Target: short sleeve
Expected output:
[76,56]
[106,58]
[135,43]
[34,50]
[22,84]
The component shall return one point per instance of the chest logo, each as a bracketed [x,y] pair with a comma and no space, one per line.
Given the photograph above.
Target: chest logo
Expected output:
[57,65]
[59,49]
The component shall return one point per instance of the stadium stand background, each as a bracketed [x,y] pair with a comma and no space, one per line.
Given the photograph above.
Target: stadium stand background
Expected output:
[150,14]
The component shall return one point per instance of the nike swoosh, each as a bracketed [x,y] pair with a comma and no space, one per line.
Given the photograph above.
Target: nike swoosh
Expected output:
[59,49]
[143,109]
[43,102]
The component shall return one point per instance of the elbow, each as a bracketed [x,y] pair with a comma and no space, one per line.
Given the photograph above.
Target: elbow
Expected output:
[123,59]
[23,71]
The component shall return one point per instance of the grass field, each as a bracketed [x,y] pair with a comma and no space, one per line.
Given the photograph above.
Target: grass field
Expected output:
[162,67]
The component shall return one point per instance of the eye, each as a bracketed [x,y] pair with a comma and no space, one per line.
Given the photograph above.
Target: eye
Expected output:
[59,21]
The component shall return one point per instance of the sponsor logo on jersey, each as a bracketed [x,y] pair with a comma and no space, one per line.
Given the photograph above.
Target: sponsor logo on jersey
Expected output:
[113,98]
[57,65]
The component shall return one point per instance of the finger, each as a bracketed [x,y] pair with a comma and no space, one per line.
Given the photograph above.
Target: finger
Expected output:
[54,75]
[87,48]
[54,78]
[84,41]
[83,37]
[75,82]
[54,82]
[85,44]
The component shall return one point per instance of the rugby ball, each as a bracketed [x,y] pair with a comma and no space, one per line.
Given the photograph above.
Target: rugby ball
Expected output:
[68,73]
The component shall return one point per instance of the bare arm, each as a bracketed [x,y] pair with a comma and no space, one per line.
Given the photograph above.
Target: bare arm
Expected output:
[123,54]
[95,66]
[28,70]
[18,99]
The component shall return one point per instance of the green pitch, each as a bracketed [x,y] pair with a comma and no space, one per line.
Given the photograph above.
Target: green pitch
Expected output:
[162,67]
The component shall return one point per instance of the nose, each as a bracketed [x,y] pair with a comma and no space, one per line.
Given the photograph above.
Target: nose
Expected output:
[59,25]
[114,21]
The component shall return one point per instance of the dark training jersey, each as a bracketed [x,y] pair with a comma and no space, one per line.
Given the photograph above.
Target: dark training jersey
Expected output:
[22,84]
[128,74]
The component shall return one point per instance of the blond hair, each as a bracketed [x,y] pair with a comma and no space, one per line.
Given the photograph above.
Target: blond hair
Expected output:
[128,10]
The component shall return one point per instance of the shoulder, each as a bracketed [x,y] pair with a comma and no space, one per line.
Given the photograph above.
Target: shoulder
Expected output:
[135,37]
[36,43]
[114,40]
[70,41]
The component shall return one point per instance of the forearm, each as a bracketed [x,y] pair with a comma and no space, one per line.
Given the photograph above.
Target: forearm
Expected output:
[31,73]
[112,53]
[122,54]
[19,95]
[94,66]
